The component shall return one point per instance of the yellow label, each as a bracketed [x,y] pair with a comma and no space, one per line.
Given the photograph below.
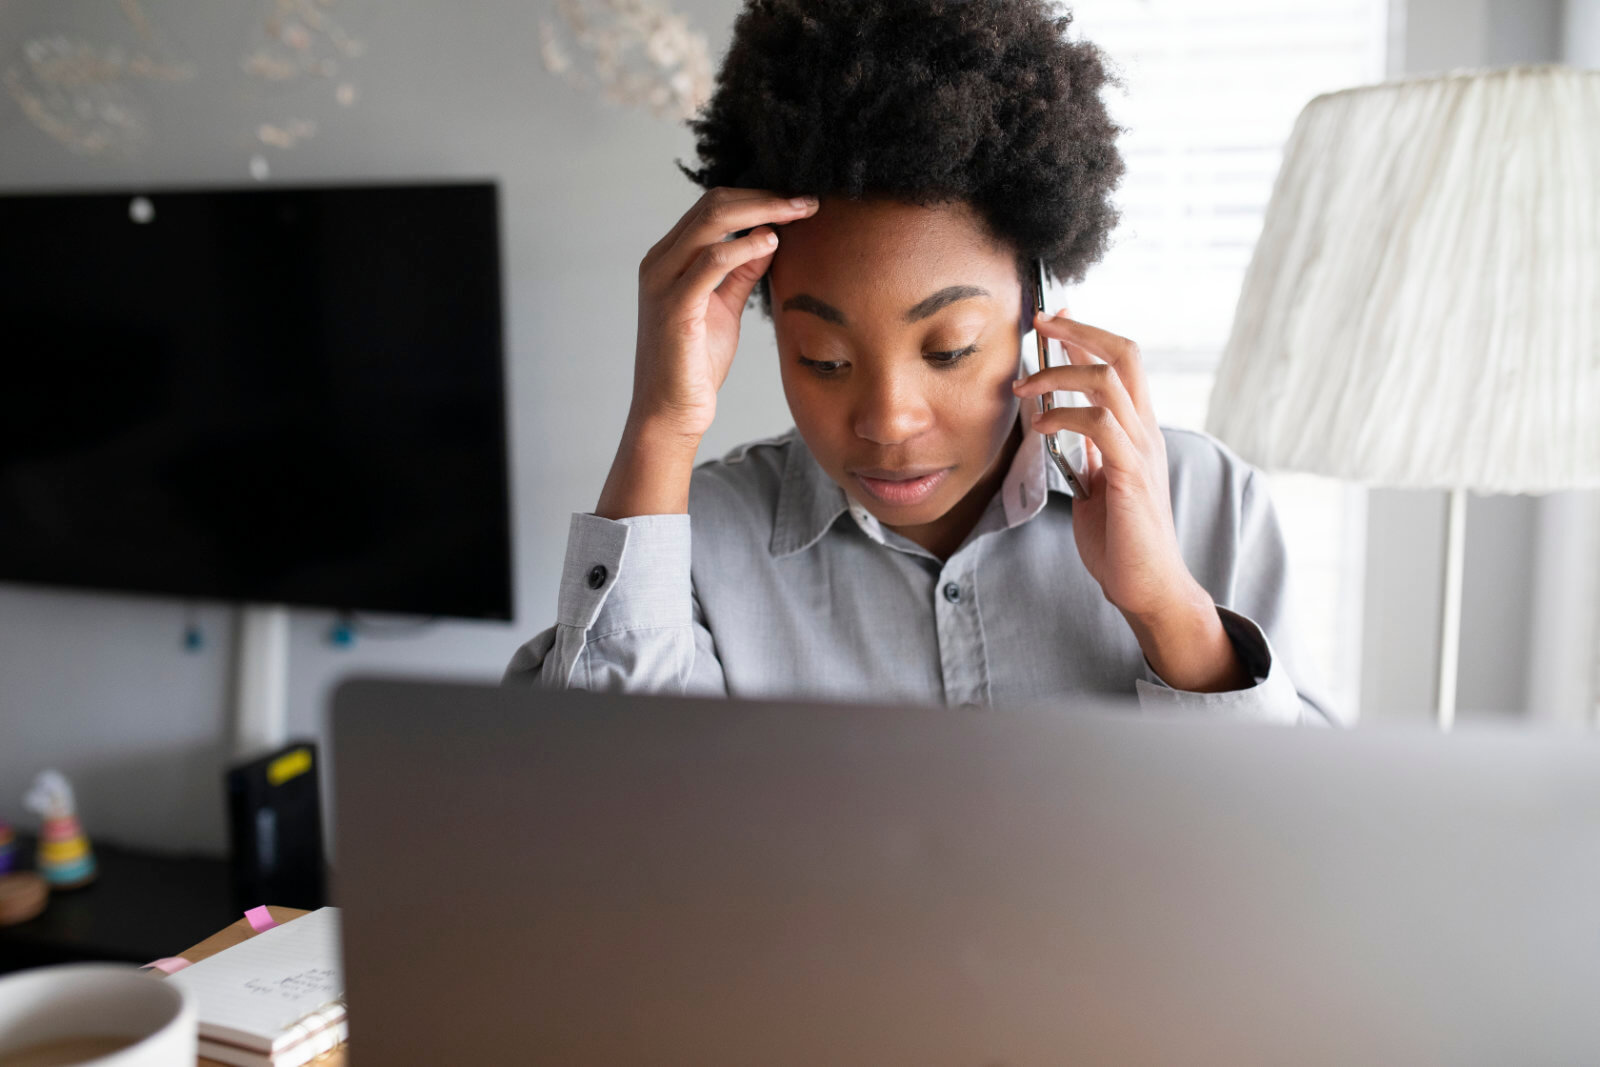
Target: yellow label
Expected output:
[289,765]
[63,851]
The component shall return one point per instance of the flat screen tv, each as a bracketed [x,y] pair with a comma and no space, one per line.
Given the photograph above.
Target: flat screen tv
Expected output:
[272,395]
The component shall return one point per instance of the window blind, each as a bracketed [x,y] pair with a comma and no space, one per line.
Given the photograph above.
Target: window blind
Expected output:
[1210,92]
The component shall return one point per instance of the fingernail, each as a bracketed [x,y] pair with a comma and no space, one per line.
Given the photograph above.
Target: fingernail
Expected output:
[803,201]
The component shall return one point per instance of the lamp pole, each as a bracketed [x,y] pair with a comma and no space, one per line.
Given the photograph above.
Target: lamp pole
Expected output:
[261,679]
[1455,553]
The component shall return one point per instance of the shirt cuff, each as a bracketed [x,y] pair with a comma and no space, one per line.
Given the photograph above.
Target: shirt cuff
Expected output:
[1273,697]
[625,574]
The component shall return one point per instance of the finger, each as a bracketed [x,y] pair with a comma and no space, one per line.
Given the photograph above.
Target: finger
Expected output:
[1099,426]
[1082,356]
[697,210]
[716,261]
[1119,352]
[1092,460]
[724,216]
[735,289]
[1099,382]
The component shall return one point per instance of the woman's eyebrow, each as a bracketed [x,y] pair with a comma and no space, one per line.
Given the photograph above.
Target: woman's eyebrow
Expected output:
[948,295]
[824,311]
[921,310]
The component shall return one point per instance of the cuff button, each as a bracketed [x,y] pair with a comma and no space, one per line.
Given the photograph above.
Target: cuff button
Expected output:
[597,576]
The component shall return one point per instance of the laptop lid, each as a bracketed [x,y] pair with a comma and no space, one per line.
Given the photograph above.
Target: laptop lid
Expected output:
[575,878]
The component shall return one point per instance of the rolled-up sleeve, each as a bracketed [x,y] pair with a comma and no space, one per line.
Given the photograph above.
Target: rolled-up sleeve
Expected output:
[1273,697]
[1257,615]
[627,618]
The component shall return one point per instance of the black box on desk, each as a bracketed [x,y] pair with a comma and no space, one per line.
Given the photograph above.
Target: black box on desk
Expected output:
[275,829]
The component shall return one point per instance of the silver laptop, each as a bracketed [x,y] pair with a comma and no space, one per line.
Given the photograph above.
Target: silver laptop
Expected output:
[571,878]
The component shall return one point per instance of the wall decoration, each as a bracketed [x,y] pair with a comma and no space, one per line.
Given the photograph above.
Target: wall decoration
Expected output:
[636,53]
[84,93]
[287,134]
[93,95]
[294,41]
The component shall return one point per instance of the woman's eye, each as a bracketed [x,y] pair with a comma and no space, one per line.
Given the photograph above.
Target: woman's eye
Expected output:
[827,368]
[823,367]
[945,359]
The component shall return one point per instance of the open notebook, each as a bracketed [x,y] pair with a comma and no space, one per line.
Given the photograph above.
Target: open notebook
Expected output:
[274,1000]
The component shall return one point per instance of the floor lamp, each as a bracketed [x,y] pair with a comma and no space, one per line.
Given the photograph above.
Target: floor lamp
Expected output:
[1423,307]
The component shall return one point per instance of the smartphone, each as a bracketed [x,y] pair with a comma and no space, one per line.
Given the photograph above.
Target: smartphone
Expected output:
[1068,454]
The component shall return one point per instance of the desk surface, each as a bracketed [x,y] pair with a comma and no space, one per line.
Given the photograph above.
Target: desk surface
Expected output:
[231,935]
[139,908]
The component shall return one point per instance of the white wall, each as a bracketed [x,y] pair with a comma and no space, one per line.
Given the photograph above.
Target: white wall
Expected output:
[99,685]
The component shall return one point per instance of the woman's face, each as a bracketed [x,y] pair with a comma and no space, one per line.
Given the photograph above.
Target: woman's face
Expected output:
[898,329]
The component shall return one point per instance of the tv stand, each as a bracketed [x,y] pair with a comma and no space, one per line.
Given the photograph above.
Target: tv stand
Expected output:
[261,679]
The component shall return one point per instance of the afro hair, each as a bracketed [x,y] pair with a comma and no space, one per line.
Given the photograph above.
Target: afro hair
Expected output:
[923,101]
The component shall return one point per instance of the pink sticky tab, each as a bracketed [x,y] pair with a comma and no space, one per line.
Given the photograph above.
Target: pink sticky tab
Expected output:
[261,920]
[168,964]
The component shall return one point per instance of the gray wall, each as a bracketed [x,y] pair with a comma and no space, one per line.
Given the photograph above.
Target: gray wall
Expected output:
[1442,34]
[100,686]
[1564,664]
[1580,26]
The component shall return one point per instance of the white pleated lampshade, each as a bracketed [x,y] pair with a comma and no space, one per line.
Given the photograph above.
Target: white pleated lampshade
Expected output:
[1423,307]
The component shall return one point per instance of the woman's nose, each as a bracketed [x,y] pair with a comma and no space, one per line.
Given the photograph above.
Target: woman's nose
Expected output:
[891,410]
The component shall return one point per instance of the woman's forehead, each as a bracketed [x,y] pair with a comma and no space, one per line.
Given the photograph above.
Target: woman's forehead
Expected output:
[870,249]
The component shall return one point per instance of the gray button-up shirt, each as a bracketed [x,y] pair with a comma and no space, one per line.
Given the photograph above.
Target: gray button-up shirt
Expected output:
[777,585]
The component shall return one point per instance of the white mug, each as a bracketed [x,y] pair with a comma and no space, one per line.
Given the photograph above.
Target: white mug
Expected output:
[99,1014]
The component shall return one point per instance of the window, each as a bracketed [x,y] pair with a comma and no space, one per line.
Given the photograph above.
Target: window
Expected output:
[1211,93]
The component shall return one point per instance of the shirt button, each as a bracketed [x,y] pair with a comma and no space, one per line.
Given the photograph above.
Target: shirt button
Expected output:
[952,592]
[597,576]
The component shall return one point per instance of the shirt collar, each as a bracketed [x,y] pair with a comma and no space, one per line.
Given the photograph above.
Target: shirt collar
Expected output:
[1032,478]
[810,502]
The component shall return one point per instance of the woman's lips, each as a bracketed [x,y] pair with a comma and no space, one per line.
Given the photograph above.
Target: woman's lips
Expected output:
[901,491]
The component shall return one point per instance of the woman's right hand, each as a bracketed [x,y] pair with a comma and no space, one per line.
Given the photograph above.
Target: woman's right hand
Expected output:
[692,289]
[693,285]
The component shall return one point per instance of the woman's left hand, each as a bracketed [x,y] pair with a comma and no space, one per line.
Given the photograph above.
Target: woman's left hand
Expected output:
[1124,529]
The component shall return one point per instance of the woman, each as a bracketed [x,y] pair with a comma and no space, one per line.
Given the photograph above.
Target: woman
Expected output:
[909,540]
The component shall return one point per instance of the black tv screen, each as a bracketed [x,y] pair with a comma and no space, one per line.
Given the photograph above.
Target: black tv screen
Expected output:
[272,395]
